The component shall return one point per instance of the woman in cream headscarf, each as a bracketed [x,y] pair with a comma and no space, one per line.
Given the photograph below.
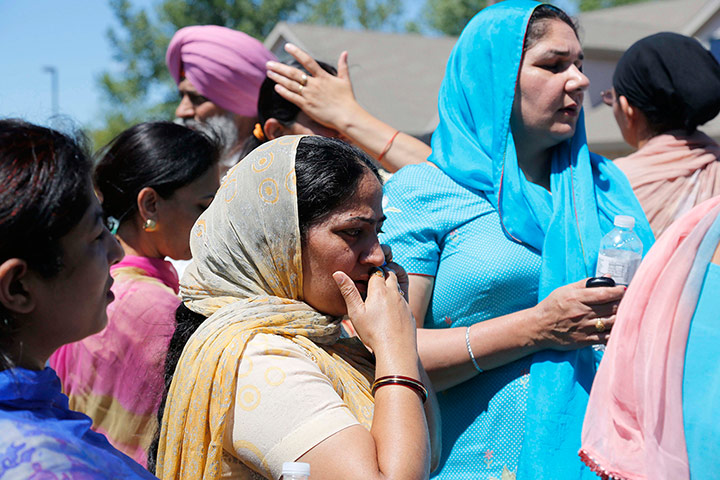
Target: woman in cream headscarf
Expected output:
[265,378]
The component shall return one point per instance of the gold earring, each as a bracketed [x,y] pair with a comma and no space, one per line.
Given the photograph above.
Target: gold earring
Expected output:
[150,225]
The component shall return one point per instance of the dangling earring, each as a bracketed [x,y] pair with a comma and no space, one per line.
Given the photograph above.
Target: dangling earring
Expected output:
[150,225]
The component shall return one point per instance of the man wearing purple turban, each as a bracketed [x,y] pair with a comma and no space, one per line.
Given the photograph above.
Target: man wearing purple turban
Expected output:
[218,72]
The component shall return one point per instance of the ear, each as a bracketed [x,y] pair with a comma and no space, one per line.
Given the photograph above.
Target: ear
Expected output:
[14,294]
[274,129]
[147,202]
[628,111]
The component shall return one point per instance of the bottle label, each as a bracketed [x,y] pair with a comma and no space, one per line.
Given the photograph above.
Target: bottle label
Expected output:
[621,270]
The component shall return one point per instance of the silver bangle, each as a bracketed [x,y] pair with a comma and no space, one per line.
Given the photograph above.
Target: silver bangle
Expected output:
[472,357]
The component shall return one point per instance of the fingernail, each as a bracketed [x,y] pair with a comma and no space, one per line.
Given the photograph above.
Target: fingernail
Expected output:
[339,279]
[270,64]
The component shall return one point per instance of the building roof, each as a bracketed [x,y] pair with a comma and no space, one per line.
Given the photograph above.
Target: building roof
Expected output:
[396,77]
[613,30]
[608,32]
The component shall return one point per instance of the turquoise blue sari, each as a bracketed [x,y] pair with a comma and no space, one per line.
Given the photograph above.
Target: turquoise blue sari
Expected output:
[473,144]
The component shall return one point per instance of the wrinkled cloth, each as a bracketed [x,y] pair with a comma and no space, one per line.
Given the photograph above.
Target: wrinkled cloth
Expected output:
[246,277]
[634,423]
[224,65]
[43,439]
[116,376]
[671,174]
[670,77]
[473,145]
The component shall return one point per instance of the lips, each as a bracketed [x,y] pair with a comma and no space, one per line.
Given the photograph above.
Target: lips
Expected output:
[110,295]
[572,110]
[362,286]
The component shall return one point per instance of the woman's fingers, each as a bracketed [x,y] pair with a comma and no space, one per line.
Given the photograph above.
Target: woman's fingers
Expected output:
[286,82]
[353,300]
[289,95]
[305,60]
[597,295]
[343,70]
[387,252]
[604,309]
[277,70]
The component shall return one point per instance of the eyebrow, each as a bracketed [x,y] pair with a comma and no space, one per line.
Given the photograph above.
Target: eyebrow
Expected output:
[563,53]
[369,219]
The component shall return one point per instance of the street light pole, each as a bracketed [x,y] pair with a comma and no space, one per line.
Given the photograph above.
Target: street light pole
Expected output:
[54,88]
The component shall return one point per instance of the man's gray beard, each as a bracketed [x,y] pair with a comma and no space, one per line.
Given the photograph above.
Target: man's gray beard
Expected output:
[222,129]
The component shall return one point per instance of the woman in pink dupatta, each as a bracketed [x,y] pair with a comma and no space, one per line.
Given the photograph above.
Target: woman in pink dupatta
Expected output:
[665,85]
[155,179]
[652,408]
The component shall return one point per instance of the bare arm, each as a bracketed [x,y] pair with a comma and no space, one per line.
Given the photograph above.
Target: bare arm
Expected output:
[329,100]
[398,444]
[563,321]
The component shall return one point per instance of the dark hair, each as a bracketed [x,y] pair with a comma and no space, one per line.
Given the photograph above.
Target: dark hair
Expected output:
[45,178]
[539,22]
[328,172]
[672,79]
[161,155]
[272,105]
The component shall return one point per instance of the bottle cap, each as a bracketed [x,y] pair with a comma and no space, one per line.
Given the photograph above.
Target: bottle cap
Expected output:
[624,221]
[296,468]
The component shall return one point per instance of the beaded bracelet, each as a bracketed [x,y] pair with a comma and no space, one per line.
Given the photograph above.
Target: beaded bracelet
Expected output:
[408,382]
[472,356]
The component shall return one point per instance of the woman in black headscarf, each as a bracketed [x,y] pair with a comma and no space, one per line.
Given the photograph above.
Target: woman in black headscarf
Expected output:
[665,85]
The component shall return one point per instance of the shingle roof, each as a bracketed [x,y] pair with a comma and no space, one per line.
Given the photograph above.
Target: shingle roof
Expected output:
[617,28]
[396,77]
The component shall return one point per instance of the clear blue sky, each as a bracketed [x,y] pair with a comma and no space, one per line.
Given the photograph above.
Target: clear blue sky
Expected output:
[70,35]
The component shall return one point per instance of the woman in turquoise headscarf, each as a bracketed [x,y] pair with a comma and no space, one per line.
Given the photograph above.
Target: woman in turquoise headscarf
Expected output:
[499,230]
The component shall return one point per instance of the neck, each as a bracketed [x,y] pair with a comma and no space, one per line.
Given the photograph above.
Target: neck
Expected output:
[534,163]
[24,355]
[136,241]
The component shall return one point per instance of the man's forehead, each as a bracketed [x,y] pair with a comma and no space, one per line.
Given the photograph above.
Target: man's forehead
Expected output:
[186,86]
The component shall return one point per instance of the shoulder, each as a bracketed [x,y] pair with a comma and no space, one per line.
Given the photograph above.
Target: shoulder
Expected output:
[426,188]
[284,405]
[32,449]
[140,294]
[424,179]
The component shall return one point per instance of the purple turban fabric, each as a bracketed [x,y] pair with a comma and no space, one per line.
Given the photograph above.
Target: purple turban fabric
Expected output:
[224,65]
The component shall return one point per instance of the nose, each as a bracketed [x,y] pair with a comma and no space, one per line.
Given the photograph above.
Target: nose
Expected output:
[185,108]
[115,250]
[577,79]
[374,255]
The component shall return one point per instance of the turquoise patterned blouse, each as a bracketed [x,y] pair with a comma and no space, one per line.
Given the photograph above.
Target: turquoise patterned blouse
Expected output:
[439,228]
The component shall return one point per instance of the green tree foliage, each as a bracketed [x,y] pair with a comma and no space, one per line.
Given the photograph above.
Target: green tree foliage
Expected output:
[587,5]
[143,89]
[451,16]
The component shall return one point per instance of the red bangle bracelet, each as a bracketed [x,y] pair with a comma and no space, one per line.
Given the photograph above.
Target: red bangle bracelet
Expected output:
[388,145]
[401,380]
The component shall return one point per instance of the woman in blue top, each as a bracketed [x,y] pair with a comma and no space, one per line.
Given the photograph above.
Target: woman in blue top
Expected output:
[55,257]
[500,229]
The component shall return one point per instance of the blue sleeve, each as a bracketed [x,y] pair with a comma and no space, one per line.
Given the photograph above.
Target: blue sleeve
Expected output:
[414,229]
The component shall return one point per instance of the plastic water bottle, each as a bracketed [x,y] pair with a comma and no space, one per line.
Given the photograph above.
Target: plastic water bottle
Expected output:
[620,251]
[295,471]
